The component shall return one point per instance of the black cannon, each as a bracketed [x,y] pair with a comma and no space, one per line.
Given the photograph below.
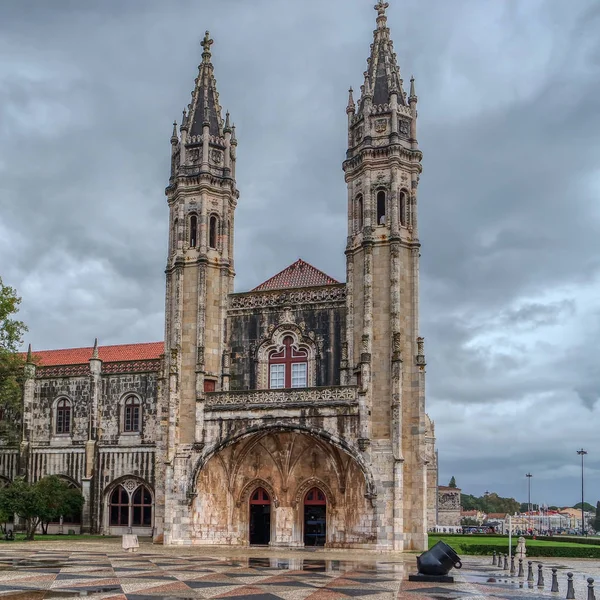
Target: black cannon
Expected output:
[435,564]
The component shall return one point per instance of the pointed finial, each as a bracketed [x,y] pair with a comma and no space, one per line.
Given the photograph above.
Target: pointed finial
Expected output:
[227,128]
[381,7]
[174,137]
[233,138]
[29,357]
[351,106]
[95,351]
[206,43]
[413,95]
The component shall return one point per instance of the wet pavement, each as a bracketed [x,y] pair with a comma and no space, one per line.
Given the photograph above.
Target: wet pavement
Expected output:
[103,571]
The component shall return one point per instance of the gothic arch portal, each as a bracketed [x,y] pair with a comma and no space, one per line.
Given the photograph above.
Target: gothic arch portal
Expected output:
[214,449]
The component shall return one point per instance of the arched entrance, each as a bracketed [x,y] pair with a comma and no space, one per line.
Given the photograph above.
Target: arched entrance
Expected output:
[315,518]
[260,517]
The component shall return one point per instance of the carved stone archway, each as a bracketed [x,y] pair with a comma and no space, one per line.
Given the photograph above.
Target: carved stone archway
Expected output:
[308,484]
[249,488]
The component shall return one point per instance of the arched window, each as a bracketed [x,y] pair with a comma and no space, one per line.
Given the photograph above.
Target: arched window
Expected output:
[131,509]
[403,209]
[132,412]
[142,507]
[381,207]
[175,234]
[359,212]
[119,507]
[193,231]
[212,231]
[288,367]
[63,416]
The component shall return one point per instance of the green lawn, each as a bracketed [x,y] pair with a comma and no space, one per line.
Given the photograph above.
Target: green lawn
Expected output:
[499,542]
[481,545]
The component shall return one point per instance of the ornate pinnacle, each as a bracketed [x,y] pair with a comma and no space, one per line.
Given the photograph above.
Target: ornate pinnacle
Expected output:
[174,137]
[206,43]
[233,138]
[227,128]
[95,351]
[413,95]
[29,357]
[351,106]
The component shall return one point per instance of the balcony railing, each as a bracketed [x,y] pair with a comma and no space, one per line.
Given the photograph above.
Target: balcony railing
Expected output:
[339,395]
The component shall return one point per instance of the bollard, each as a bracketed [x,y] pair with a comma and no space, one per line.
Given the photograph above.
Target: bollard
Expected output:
[570,588]
[540,581]
[506,562]
[554,587]
[529,572]
[521,572]
[494,558]
[512,564]
[591,595]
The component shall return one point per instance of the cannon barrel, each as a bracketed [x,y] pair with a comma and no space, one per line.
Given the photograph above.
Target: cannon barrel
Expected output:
[438,560]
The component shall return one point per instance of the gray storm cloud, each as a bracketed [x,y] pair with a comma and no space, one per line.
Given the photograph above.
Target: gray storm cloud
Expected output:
[508,123]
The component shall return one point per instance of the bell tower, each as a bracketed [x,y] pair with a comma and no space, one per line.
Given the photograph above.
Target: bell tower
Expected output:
[202,196]
[385,352]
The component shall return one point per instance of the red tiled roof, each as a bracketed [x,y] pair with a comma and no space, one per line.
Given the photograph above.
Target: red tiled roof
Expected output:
[298,275]
[120,353]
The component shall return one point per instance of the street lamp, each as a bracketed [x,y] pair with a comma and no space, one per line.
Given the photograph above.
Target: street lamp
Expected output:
[582,453]
[529,476]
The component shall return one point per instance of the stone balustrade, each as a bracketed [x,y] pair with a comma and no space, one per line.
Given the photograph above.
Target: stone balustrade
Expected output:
[287,398]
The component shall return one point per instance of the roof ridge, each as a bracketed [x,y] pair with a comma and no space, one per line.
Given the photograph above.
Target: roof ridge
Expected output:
[92,347]
[316,277]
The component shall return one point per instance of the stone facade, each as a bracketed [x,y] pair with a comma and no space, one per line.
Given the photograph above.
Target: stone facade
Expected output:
[94,452]
[342,453]
[449,511]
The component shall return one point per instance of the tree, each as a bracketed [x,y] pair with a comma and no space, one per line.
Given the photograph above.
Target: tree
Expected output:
[21,499]
[11,365]
[452,483]
[596,521]
[41,502]
[587,507]
[57,499]
[468,521]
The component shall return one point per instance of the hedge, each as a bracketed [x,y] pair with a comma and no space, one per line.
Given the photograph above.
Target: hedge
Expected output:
[590,541]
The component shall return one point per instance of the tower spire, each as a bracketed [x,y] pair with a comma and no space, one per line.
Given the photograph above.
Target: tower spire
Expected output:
[382,78]
[205,107]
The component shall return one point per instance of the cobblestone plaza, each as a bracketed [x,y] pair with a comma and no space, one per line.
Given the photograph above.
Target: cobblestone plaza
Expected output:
[42,570]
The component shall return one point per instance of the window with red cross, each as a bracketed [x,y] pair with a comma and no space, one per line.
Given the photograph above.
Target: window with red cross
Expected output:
[288,368]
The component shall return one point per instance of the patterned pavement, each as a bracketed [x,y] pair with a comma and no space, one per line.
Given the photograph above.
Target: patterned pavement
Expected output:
[115,575]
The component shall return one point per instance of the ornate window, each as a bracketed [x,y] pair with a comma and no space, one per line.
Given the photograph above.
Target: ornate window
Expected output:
[119,507]
[213,230]
[359,212]
[193,231]
[288,366]
[63,416]
[130,505]
[287,357]
[402,207]
[142,507]
[132,413]
[381,220]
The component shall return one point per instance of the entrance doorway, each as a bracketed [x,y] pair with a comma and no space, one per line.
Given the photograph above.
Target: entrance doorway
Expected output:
[260,517]
[315,518]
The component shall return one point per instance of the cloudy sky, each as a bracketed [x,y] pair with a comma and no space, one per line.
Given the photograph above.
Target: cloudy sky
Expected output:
[509,123]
